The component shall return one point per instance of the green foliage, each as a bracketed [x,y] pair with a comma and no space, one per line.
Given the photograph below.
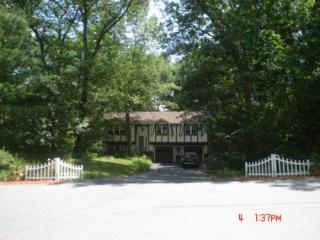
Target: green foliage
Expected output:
[11,166]
[13,44]
[254,68]
[59,72]
[226,173]
[108,166]
[315,164]
[4,175]
[16,166]
[5,159]
[141,164]
[231,160]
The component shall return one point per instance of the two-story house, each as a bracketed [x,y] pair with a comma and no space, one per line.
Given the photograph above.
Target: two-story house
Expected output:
[165,136]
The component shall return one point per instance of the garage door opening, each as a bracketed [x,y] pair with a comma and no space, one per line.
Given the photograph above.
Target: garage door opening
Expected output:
[164,155]
[196,149]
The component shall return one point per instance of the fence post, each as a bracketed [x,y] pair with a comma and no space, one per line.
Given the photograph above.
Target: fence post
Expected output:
[81,172]
[273,165]
[308,167]
[26,173]
[57,168]
[246,167]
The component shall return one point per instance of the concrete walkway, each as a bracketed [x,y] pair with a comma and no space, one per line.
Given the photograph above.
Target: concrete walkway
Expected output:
[165,203]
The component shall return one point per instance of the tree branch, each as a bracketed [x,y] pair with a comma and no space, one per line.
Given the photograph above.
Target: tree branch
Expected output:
[110,24]
[71,22]
[40,41]
[203,31]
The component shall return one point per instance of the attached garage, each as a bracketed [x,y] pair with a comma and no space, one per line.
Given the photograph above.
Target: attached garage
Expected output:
[164,154]
[196,149]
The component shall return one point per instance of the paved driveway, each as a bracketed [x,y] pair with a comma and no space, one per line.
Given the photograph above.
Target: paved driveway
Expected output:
[166,203]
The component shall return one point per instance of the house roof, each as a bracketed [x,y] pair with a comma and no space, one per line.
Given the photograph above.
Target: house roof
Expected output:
[153,117]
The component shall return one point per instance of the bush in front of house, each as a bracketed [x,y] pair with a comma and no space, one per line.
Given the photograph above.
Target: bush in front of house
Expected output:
[141,163]
[226,165]
[5,158]
[11,167]
[226,160]
[226,173]
[315,164]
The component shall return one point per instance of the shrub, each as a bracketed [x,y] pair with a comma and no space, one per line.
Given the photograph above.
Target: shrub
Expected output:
[16,166]
[4,175]
[141,164]
[226,173]
[11,167]
[315,164]
[5,158]
[226,160]
[87,156]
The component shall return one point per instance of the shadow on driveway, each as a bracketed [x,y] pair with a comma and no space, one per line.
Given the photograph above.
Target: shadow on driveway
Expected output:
[299,184]
[176,175]
[292,183]
[158,174]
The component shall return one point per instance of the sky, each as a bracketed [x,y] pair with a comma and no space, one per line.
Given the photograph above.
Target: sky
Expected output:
[155,7]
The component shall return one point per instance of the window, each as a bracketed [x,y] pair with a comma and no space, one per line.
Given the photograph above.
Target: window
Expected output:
[162,129]
[187,129]
[158,129]
[203,130]
[165,129]
[190,129]
[110,131]
[116,130]
[122,131]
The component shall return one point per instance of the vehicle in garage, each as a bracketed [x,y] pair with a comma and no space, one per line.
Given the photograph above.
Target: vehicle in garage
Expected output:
[190,159]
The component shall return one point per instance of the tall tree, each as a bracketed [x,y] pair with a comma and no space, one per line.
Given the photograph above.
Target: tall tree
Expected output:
[72,33]
[241,63]
[141,78]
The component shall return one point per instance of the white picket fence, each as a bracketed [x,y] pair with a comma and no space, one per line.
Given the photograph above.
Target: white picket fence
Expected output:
[276,166]
[55,169]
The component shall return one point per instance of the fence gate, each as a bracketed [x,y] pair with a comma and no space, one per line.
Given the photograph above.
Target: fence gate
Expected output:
[275,166]
[55,169]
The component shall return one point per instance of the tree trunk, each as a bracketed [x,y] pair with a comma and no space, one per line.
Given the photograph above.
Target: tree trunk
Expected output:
[128,125]
[80,144]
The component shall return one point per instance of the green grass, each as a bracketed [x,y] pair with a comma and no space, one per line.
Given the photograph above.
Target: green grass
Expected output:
[94,168]
[108,166]
[226,173]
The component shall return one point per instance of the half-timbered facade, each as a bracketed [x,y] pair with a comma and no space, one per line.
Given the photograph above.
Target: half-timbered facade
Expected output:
[165,136]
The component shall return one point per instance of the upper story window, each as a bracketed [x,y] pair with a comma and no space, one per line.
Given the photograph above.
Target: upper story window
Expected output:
[190,129]
[203,130]
[162,129]
[165,129]
[117,130]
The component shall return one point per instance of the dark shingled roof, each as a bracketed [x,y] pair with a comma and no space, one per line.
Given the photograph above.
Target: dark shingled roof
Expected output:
[152,117]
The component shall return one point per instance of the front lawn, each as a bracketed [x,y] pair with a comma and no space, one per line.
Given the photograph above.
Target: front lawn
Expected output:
[106,167]
[95,168]
[226,173]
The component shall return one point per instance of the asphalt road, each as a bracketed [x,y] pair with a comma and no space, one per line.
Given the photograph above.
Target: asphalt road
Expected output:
[167,203]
